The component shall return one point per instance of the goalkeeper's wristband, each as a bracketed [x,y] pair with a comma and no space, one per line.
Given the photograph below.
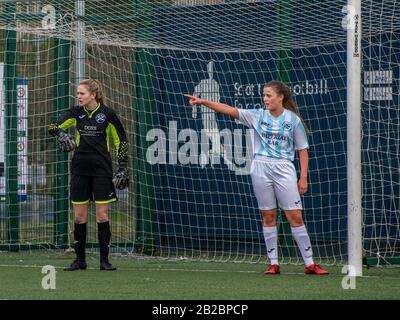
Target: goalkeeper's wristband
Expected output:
[54,130]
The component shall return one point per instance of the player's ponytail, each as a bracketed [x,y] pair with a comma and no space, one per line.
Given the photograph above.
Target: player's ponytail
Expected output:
[95,86]
[288,100]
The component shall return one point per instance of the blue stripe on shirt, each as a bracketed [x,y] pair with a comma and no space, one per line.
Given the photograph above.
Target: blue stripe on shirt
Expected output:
[303,130]
[268,149]
[259,132]
[290,145]
[280,133]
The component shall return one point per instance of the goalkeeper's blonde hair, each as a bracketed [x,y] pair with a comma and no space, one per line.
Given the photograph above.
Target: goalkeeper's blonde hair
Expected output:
[288,101]
[95,86]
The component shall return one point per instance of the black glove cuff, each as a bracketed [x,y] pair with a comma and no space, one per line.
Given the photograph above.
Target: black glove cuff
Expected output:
[60,133]
[122,164]
[54,130]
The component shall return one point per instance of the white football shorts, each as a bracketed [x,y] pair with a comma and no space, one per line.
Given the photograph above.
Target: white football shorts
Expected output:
[275,179]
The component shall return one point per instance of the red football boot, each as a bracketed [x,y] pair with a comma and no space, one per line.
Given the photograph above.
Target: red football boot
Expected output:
[273,269]
[315,269]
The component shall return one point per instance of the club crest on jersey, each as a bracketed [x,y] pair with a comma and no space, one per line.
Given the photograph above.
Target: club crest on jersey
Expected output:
[100,118]
[286,125]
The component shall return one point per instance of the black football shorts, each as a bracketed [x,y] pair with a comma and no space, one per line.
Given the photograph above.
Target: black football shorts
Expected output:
[101,190]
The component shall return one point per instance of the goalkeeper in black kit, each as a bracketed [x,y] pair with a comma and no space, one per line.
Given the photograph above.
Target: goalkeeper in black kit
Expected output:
[91,167]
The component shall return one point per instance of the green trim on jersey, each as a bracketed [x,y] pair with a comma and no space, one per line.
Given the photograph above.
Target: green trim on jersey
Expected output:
[111,130]
[71,122]
[91,112]
[77,138]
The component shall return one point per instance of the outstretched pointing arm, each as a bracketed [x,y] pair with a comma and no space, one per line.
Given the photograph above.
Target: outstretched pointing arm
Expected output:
[216,106]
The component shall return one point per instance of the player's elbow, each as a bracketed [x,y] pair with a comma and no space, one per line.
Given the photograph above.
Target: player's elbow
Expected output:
[234,113]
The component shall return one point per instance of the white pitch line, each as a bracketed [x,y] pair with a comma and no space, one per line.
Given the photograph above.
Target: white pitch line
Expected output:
[186,270]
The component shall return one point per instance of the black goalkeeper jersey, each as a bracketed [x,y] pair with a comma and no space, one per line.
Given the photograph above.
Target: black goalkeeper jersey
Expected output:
[94,129]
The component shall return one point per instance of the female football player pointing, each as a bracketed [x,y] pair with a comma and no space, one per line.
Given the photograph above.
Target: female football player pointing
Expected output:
[279,131]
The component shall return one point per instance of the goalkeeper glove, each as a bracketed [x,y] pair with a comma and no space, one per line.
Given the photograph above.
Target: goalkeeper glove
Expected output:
[66,141]
[121,178]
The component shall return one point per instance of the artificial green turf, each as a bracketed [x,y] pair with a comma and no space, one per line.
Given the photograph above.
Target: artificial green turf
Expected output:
[156,279]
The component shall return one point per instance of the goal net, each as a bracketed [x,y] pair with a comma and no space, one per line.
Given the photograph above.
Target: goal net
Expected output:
[191,195]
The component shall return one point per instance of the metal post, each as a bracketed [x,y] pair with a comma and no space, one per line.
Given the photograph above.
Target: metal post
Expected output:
[143,70]
[61,68]
[11,114]
[354,137]
[80,54]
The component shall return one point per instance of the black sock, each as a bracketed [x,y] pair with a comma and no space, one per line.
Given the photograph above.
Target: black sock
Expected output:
[104,240]
[80,241]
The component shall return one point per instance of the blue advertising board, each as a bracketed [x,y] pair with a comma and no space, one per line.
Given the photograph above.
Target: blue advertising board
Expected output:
[204,193]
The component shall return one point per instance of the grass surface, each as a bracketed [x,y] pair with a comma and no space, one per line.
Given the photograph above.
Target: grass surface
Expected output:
[156,279]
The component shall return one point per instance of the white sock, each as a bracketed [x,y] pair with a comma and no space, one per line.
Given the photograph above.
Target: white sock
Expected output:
[303,242]
[271,242]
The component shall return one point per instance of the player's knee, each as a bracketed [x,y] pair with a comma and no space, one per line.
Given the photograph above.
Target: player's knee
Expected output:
[102,217]
[295,218]
[80,219]
[269,220]
[296,222]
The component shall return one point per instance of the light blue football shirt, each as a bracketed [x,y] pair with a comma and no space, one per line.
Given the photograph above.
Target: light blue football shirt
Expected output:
[275,137]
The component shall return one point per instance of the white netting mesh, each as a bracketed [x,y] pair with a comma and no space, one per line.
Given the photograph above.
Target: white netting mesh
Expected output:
[188,200]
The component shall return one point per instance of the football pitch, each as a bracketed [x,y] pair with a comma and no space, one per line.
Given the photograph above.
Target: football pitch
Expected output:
[156,279]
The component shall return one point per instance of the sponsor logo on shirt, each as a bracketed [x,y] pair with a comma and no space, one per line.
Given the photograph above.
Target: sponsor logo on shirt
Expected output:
[90,128]
[90,131]
[274,136]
